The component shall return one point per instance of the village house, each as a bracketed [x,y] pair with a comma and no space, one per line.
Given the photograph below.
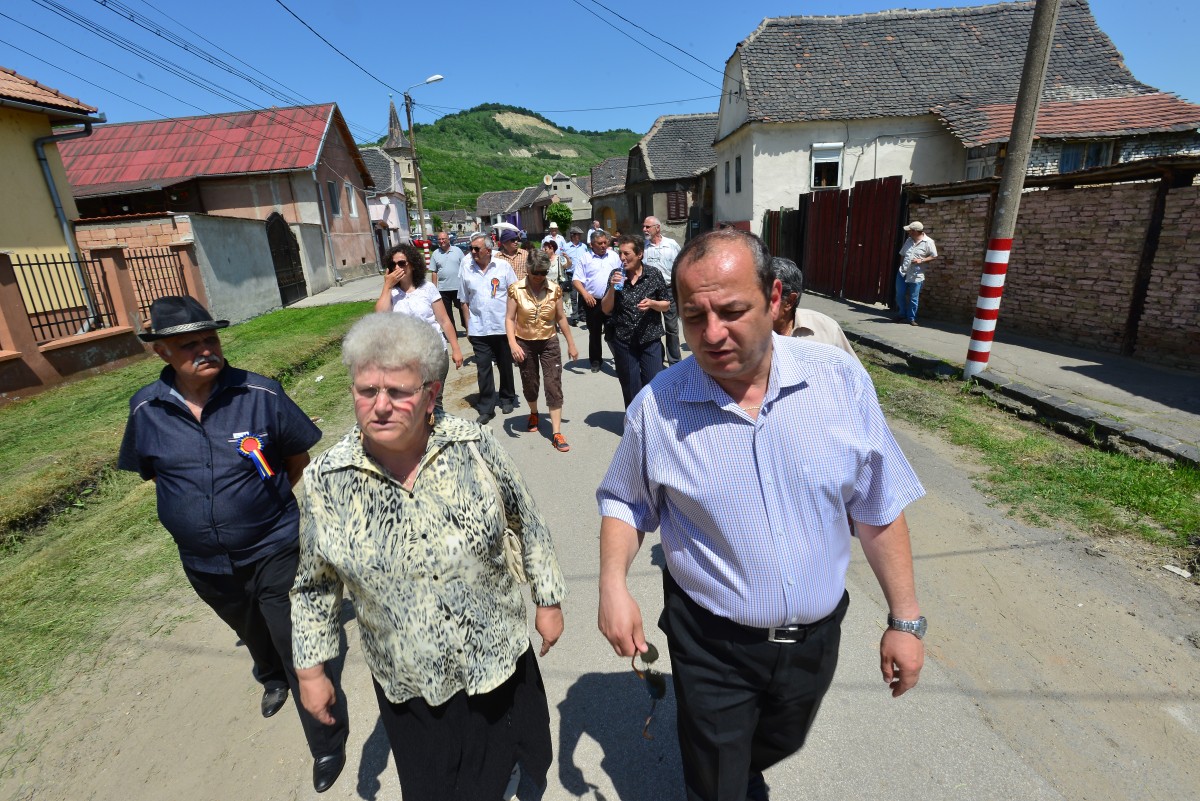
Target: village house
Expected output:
[668,174]
[812,103]
[610,205]
[273,199]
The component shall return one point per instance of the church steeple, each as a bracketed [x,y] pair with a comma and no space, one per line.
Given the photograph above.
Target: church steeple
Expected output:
[396,140]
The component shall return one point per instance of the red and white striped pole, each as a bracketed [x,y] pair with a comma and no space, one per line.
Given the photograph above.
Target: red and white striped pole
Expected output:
[987,307]
[1012,182]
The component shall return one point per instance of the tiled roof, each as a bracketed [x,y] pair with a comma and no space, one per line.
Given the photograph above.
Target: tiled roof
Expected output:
[14,86]
[267,140]
[584,182]
[490,203]
[608,177]
[525,198]
[1118,116]
[454,216]
[381,167]
[396,138]
[679,146]
[129,187]
[903,63]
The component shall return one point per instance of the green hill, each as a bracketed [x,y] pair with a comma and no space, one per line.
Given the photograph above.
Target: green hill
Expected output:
[493,147]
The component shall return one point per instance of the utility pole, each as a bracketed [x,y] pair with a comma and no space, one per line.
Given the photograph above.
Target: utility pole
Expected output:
[412,140]
[1012,183]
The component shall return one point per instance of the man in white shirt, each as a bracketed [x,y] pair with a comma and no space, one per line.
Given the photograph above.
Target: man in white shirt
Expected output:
[660,253]
[595,229]
[556,236]
[484,296]
[591,280]
[917,251]
[576,251]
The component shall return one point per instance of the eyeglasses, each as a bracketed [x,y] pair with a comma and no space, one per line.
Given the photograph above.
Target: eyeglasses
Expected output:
[476,248]
[397,395]
[656,683]
[400,262]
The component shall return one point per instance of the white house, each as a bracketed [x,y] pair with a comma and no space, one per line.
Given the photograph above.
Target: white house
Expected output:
[812,103]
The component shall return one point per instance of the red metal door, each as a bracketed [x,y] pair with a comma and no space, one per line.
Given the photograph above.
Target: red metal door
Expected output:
[872,240]
[825,240]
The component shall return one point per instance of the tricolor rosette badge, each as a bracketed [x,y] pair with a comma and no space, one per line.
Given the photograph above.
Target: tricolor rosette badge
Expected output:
[251,447]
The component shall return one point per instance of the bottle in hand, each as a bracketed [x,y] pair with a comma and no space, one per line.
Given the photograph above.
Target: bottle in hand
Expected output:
[620,283]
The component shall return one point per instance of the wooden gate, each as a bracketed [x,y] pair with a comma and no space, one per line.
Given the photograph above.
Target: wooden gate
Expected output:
[873,240]
[285,255]
[850,239]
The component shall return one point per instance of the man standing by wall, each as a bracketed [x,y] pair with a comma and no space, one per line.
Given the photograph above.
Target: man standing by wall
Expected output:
[484,295]
[917,251]
[756,561]
[444,267]
[224,448]
[660,254]
[595,229]
[512,252]
[591,281]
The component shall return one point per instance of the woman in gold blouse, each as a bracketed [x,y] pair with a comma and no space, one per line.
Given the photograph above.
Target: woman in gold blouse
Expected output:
[535,309]
[407,513]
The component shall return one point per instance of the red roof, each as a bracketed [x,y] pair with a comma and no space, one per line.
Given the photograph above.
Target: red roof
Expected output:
[127,156]
[1113,116]
[14,86]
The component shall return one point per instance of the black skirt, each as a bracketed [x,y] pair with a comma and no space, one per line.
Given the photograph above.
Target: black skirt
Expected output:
[465,749]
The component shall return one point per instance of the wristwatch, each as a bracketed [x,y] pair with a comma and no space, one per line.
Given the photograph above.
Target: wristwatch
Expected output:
[917,627]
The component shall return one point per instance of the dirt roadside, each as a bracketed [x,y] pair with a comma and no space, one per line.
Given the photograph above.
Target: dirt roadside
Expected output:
[1081,662]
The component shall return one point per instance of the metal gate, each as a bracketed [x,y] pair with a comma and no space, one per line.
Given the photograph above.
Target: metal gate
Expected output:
[850,239]
[873,239]
[285,255]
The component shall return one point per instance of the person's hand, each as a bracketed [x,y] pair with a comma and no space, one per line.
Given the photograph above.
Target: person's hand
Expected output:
[572,353]
[645,304]
[620,621]
[457,357]
[391,278]
[589,298]
[617,277]
[318,696]
[901,656]
[548,620]
[518,354]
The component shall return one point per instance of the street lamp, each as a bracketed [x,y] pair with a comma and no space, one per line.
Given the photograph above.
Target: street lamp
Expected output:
[412,138]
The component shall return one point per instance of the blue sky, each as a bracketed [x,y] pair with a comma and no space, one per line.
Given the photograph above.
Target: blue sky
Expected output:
[538,60]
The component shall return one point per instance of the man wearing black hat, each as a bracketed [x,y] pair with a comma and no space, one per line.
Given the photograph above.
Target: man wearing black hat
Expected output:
[224,447]
[511,252]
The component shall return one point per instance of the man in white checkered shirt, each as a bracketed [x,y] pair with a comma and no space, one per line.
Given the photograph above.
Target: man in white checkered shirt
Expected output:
[750,458]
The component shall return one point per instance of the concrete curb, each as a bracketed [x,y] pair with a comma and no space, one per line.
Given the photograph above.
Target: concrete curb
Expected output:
[1067,417]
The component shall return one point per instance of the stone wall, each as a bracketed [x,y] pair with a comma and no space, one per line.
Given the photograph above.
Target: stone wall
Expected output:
[1074,263]
[134,233]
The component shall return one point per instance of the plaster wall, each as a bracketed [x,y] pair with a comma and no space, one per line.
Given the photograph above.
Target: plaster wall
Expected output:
[28,223]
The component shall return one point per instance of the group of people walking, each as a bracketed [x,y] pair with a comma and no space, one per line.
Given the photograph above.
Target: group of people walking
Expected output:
[425,522]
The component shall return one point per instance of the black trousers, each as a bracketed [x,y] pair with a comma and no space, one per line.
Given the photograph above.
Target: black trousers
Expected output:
[636,365]
[743,703]
[465,749]
[450,301]
[254,603]
[595,318]
[671,325]
[489,350]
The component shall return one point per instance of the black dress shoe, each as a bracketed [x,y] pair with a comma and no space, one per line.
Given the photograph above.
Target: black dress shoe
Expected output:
[507,408]
[273,700]
[595,367]
[326,770]
[484,418]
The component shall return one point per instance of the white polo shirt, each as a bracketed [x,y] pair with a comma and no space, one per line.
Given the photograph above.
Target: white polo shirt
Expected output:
[486,294]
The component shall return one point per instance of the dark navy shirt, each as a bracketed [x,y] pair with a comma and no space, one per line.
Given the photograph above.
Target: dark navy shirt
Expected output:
[211,498]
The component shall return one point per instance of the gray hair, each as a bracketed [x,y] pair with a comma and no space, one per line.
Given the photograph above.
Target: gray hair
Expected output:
[484,237]
[790,275]
[391,341]
[703,245]
[652,220]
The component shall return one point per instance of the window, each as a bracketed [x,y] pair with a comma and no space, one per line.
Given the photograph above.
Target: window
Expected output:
[981,161]
[727,177]
[677,206]
[1082,155]
[737,174]
[335,206]
[351,200]
[826,165]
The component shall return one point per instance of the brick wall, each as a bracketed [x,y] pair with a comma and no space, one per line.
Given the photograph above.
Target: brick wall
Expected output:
[144,232]
[1075,258]
[1169,331]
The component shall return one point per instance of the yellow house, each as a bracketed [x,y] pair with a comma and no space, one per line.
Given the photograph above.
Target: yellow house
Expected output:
[35,212]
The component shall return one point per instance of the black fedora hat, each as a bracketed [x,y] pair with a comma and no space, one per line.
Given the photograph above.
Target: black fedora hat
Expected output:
[173,314]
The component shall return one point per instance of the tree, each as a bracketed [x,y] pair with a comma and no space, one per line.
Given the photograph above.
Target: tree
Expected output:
[559,213]
[437,222]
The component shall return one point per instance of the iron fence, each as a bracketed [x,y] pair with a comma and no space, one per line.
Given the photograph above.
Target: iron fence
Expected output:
[63,296]
[155,272]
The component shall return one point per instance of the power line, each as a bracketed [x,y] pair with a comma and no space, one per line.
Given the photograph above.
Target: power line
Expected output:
[335,49]
[659,38]
[641,44]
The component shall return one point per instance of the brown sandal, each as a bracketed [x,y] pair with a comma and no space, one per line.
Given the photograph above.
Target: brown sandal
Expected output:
[533,422]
